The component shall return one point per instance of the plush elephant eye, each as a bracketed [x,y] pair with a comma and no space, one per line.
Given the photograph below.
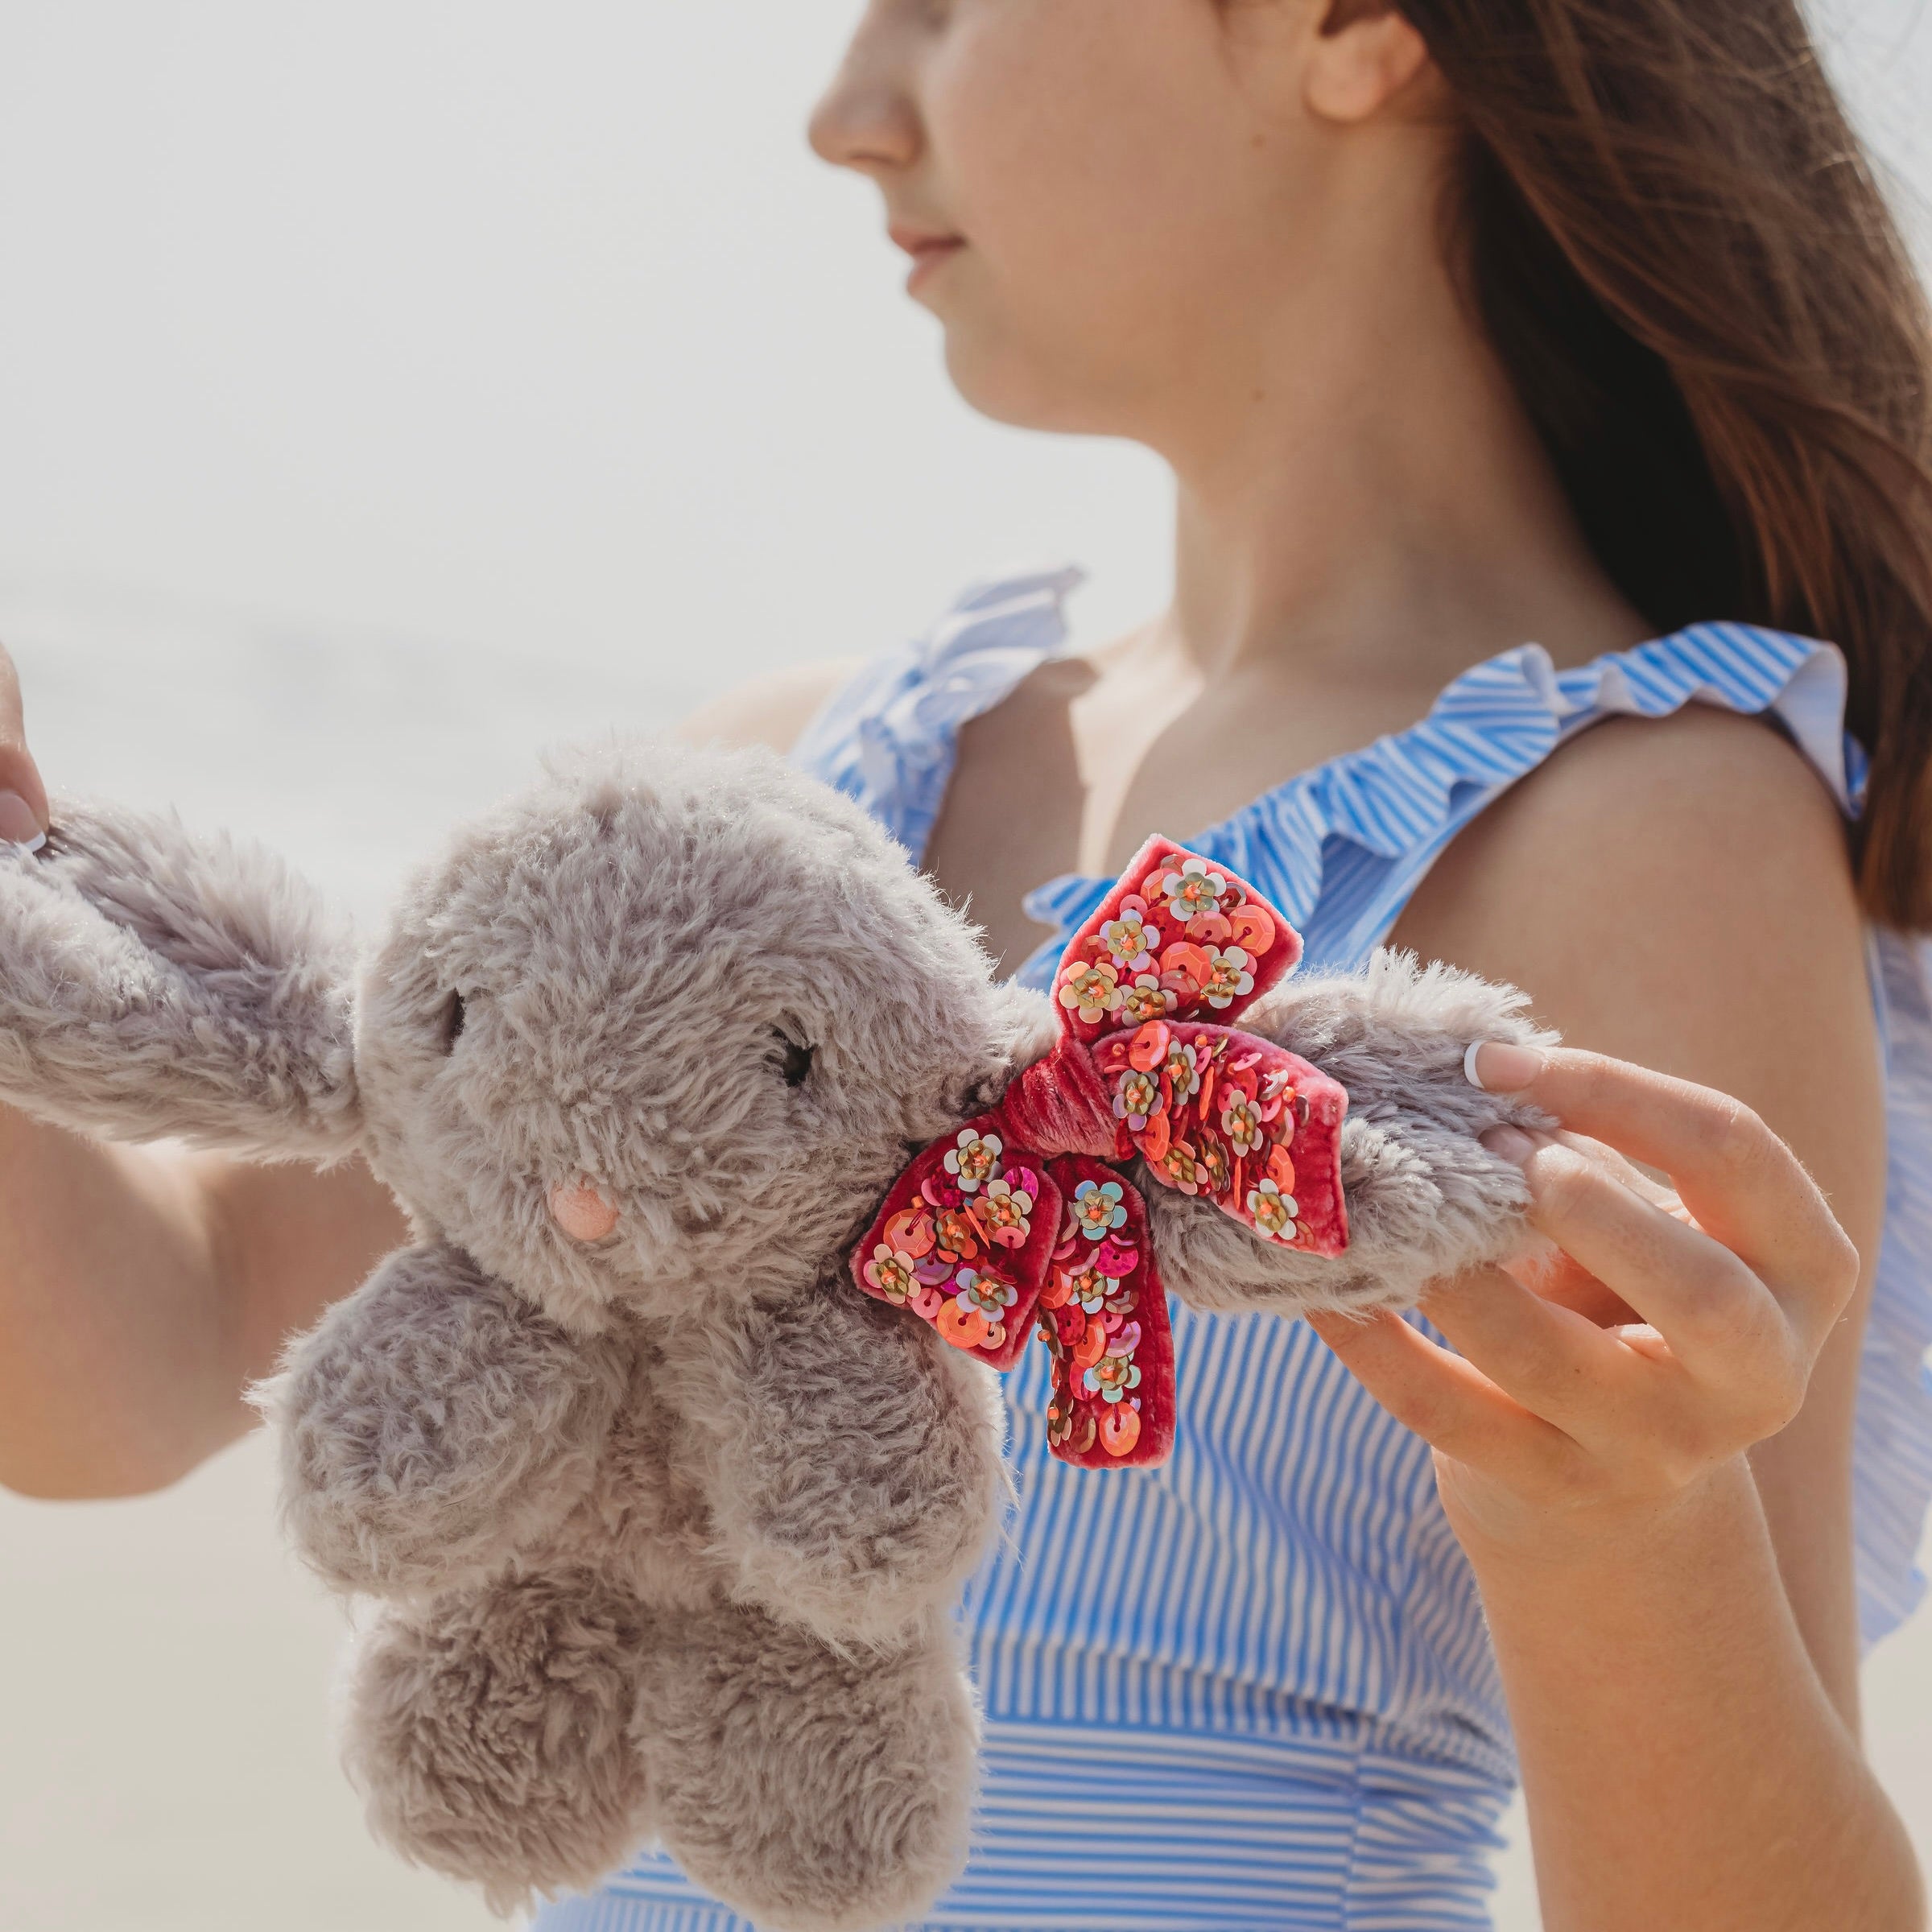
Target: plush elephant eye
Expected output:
[454,1014]
[794,1059]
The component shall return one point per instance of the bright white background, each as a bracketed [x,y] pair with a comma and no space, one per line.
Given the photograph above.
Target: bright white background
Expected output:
[386,388]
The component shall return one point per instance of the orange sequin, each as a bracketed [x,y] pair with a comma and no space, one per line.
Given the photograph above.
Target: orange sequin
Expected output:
[1148,1047]
[911,1233]
[1253,928]
[1119,1428]
[1091,1346]
[964,1328]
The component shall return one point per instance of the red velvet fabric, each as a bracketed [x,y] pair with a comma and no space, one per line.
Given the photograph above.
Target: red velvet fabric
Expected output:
[1022,1223]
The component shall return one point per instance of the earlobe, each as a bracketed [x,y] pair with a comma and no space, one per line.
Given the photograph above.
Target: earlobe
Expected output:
[1364,58]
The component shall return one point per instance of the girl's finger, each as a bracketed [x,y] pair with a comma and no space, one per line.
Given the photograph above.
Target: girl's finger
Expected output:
[1718,1317]
[1554,1276]
[1645,1186]
[23,796]
[1744,1186]
[1557,1364]
[1448,1402]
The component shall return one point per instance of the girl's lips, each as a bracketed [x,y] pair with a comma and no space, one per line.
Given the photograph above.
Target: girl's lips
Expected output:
[926,256]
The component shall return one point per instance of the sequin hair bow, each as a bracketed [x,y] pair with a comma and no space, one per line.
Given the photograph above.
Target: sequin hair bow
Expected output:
[1025,1220]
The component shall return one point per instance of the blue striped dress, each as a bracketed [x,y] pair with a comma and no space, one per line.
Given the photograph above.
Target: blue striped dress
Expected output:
[1252,1688]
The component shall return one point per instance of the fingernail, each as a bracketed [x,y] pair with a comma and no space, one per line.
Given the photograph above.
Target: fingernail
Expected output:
[1509,1144]
[18,825]
[1497,1068]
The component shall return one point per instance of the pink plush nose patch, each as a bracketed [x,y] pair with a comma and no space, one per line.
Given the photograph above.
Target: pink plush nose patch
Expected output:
[581,1211]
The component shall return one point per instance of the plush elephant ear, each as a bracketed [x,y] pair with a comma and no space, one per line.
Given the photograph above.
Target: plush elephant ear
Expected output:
[155,984]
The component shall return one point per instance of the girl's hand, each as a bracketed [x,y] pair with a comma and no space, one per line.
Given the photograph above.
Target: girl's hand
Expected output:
[1651,1338]
[23,796]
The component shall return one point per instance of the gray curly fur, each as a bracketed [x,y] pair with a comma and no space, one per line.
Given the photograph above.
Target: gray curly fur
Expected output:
[662,1527]
[158,986]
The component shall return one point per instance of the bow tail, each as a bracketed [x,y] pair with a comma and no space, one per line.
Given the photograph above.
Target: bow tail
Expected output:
[1102,1318]
[986,1241]
[965,1241]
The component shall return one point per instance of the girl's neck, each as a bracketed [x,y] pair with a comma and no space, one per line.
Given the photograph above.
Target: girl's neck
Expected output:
[1372,504]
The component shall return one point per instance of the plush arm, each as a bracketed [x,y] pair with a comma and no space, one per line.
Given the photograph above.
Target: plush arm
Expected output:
[153,984]
[850,1460]
[1425,1197]
[433,1424]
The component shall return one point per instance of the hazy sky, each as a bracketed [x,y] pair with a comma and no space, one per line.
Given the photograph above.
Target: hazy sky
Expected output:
[530,324]
[528,334]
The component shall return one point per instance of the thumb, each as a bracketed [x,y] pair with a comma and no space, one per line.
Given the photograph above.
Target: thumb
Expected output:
[22,795]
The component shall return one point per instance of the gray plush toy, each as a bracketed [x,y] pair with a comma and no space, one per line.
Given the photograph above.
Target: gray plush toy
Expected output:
[662,1517]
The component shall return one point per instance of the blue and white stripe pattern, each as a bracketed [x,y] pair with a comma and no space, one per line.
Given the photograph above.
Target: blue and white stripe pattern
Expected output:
[1252,1688]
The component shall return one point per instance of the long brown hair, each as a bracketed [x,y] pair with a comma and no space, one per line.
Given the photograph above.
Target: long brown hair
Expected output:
[1681,253]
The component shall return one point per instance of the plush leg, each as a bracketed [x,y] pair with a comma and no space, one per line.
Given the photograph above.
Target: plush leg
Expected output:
[433,1424]
[850,1460]
[488,1731]
[811,1790]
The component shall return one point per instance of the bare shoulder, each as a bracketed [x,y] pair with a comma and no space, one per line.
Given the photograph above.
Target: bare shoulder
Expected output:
[1701,823]
[1677,892]
[770,711]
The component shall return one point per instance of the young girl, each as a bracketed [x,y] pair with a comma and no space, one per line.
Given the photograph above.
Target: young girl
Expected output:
[1461,322]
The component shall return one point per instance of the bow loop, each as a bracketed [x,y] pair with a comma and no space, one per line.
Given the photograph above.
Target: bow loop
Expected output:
[1178,937]
[1025,1219]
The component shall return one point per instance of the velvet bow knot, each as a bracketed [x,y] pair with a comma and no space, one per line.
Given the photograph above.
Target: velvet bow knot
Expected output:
[1025,1220]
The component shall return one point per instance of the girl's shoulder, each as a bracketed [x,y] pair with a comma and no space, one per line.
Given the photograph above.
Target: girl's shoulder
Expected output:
[771,711]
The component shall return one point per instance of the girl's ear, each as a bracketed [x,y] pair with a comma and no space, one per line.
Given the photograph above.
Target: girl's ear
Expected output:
[155,985]
[1365,54]
[1340,61]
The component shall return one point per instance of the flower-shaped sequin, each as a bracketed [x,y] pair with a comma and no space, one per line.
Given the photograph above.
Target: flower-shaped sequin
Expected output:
[1147,999]
[1215,1167]
[1093,1290]
[1137,1100]
[1182,1165]
[960,1237]
[1099,1206]
[1112,1378]
[1182,1071]
[1228,977]
[1192,890]
[983,1293]
[1093,992]
[1273,1212]
[975,1161]
[1241,1121]
[1005,1213]
[894,1273]
[1129,943]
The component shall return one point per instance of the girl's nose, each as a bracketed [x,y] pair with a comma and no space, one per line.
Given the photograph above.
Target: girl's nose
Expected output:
[867,119]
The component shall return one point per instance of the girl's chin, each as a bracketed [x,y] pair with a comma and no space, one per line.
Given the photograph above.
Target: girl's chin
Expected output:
[995,390]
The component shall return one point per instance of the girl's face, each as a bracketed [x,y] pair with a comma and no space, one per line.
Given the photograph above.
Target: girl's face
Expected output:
[1115,196]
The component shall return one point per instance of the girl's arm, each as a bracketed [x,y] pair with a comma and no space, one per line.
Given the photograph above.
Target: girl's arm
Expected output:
[140,1288]
[1664,1549]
